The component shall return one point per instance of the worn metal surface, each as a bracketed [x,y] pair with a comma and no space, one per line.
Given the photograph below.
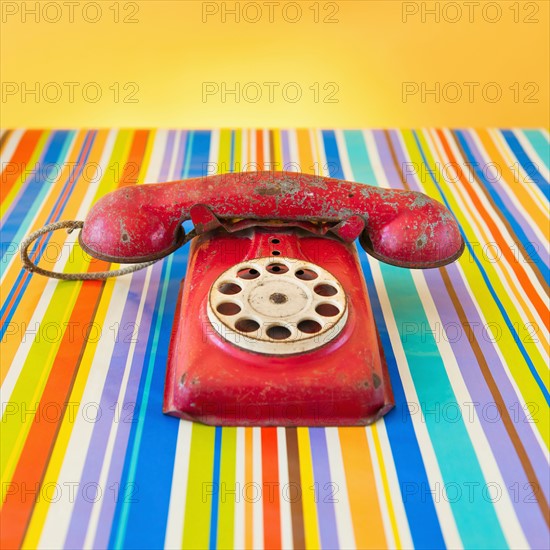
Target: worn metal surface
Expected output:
[140,223]
[277,306]
[341,381]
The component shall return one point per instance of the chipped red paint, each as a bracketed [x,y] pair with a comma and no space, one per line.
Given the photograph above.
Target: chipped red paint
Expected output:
[143,222]
[344,382]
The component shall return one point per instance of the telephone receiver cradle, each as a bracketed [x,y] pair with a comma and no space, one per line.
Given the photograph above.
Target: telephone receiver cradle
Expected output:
[273,323]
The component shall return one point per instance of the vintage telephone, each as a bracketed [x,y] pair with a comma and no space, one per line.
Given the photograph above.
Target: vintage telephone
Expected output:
[273,323]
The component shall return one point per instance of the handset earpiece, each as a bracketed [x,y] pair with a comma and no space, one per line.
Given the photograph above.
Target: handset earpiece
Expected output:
[143,223]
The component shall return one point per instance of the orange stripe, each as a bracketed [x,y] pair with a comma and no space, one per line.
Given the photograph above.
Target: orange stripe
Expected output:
[520,273]
[530,204]
[54,214]
[305,152]
[270,489]
[21,156]
[363,497]
[40,441]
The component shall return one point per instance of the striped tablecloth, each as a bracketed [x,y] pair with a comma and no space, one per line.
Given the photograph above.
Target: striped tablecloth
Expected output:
[88,458]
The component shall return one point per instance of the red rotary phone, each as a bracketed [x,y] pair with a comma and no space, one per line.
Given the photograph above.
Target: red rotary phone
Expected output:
[273,324]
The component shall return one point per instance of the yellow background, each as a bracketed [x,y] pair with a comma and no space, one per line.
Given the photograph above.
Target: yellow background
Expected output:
[174,47]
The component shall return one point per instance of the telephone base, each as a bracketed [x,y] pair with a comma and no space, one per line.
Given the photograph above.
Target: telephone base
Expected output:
[317,373]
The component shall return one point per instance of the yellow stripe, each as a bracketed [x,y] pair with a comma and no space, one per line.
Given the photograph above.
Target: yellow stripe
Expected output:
[536,211]
[38,151]
[36,369]
[478,289]
[58,455]
[198,507]
[364,502]
[248,480]
[387,493]
[22,315]
[527,308]
[57,458]
[311,528]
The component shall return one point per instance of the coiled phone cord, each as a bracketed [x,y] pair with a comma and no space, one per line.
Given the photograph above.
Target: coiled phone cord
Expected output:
[71,225]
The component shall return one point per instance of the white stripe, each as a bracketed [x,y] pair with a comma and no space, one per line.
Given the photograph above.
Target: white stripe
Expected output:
[240,503]
[253,157]
[435,479]
[513,199]
[59,514]
[475,302]
[293,151]
[157,154]
[285,510]
[518,173]
[178,490]
[257,506]
[520,399]
[9,148]
[503,506]
[44,302]
[509,239]
[213,155]
[532,154]
[442,508]
[53,190]
[375,160]
[108,452]
[343,153]
[381,494]
[479,227]
[342,511]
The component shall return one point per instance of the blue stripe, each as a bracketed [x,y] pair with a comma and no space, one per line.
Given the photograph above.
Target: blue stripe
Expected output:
[150,456]
[501,308]
[331,153]
[324,489]
[45,239]
[411,473]
[527,164]
[40,182]
[216,488]
[518,230]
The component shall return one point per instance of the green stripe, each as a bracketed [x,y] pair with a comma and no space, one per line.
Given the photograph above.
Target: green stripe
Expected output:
[198,504]
[39,361]
[226,506]
[540,144]
[527,384]
[453,449]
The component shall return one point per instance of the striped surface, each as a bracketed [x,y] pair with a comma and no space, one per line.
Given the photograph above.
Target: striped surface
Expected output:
[88,459]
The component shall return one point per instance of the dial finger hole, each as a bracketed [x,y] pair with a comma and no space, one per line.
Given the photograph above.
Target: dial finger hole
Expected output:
[247,325]
[278,332]
[325,290]
[229,288]
[327,310]
[248,273]
[277,269]
[306,274]
[309,326]
[228,308]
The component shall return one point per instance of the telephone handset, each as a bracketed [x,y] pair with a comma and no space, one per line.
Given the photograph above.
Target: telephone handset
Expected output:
[143,222]
[273,323]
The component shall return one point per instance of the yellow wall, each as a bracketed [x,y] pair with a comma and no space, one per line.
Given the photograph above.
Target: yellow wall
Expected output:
[369,51]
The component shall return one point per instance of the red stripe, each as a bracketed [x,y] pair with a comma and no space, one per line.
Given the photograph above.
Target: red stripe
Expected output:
[32,464]
[271,489]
